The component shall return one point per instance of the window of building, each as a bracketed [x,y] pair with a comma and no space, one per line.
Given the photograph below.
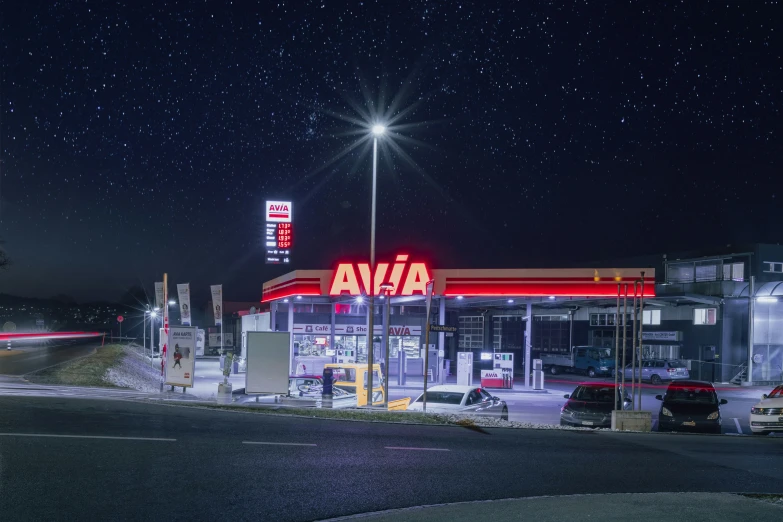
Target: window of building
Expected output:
[471,332]
[734,272]
[705,316]
[651,317]
[498,340]
[774,267]
[607,319]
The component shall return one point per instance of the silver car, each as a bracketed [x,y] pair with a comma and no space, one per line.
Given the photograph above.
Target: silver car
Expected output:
[657,371]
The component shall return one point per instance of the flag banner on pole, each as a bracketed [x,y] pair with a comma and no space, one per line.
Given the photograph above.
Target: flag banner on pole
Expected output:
[217,303]
[159,295]
[183,291]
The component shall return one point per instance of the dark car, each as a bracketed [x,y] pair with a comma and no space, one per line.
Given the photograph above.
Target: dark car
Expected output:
[690,406]
[591,405]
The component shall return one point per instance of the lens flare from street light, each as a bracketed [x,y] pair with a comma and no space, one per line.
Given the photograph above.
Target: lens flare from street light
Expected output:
[378,130]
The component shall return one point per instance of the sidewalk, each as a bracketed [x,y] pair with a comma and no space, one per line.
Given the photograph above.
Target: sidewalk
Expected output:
[620,507]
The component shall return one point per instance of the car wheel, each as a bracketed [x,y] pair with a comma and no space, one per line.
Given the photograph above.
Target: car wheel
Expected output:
[554,370]
[591,372]
[655,379]
[504,414]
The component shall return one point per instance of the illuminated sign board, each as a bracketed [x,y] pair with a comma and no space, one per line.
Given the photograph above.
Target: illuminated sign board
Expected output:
[279,232]
[407,278]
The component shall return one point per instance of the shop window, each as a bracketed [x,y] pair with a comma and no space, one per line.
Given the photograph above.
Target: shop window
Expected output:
[651,317]
[705,316]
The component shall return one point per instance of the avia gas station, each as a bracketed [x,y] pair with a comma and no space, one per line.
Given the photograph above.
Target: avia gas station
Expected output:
[501,317]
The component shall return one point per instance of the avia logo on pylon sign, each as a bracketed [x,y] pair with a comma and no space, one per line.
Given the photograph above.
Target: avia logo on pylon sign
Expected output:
[278,211]
[406,278]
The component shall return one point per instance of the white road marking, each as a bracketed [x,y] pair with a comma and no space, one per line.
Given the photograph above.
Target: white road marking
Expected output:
[415,449]
[276,443]
[105,437]
[737,424]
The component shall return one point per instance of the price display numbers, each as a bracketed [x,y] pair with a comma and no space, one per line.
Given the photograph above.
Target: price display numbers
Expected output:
[284,235]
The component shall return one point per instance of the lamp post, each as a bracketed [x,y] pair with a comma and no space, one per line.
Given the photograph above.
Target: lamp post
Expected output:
[377,131]
[387,287]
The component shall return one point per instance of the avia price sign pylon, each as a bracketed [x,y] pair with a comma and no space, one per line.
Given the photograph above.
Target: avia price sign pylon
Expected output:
[407,278]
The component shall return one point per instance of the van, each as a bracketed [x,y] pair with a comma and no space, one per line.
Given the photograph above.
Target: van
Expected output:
[353,379]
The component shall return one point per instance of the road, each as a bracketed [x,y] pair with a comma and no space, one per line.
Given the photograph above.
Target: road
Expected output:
[80,459]
[544,408]
[28,358]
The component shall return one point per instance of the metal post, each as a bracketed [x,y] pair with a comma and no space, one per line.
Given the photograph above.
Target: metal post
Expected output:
[165,329]
[371,307]
[144,332]
[152,341]
[625,325]
[290,328]
[641,324]
[441,339]
[386,355]
[617,396]
[528,342]
[633,348]
[429,290]
[751,326]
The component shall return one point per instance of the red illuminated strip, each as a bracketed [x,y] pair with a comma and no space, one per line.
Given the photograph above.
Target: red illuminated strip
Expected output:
[278,215]
[303,286]
[46,335]
[647,280]
[539,290]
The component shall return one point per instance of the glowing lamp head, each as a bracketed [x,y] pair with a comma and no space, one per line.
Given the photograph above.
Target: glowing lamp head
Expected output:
[378,130]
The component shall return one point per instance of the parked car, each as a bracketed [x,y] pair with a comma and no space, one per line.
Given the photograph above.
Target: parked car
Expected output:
[767,415]
[690,406]
[657,371]
[470,400]
[591,404]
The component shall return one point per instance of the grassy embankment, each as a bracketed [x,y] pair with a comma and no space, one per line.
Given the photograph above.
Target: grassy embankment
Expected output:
[85,371]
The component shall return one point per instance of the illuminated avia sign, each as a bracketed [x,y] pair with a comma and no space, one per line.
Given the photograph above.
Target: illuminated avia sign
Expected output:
[278,211]
[406,278]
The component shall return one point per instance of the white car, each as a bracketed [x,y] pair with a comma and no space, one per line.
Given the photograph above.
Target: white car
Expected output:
[466,400]
[767,415]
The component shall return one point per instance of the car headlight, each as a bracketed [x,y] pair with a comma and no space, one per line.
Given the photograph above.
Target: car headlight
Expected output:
[666,412]
[757,411]
[714,415]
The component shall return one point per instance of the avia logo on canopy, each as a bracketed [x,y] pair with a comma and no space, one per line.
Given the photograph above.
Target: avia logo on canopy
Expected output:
[406,278]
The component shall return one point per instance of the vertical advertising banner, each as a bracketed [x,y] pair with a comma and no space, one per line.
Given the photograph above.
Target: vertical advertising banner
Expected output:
[200,338]
[183,291]
[217,303]
[182,354]
[159,295]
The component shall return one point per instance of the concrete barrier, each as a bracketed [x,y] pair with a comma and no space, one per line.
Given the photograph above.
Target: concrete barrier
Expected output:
[631,420]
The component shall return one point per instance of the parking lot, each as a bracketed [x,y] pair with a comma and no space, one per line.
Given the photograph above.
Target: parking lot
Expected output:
[545,407]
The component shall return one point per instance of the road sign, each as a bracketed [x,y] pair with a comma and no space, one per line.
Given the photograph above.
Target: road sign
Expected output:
[120,318]
[442,328]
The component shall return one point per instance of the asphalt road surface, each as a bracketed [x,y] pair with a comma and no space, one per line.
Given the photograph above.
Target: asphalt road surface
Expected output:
[33,357]
[81,459]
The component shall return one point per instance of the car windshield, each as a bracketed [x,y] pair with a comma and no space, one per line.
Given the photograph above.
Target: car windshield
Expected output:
[691,394]
[442,397]
[777,393]
[594,393]
[344,374]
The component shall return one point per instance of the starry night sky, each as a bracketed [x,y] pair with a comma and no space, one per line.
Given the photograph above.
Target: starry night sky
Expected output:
[143,137]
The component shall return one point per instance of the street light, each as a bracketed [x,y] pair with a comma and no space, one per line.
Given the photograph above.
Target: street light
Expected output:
[387,288]
[377,130]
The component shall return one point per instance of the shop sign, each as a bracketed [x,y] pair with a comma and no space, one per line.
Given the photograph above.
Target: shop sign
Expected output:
[660,336]
[407,278]
[356,329]
[312,328]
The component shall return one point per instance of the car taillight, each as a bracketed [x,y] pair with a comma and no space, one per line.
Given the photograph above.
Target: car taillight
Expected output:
[671,370]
